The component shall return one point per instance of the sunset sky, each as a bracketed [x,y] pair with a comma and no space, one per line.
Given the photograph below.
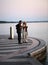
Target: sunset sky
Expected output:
[29,10]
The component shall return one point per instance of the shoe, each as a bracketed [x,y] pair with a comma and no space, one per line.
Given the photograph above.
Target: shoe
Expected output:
[26,42]
[19,43]
[23,42]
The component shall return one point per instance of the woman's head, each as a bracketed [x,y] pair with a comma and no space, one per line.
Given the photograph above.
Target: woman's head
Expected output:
[24,23]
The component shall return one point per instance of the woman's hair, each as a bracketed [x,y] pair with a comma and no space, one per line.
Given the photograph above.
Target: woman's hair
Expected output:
[24,23]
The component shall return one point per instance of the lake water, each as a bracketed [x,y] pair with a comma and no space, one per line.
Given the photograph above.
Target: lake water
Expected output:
[38,30]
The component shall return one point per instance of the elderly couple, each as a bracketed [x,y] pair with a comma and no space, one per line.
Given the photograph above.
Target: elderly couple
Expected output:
[21,27]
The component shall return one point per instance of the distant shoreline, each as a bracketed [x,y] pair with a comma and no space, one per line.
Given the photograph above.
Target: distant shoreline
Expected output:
[26,21]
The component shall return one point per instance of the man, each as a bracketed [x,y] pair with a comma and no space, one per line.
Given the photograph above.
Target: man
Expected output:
[18,27]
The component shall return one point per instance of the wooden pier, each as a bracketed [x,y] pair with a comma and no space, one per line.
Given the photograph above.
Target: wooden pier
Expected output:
[29,53]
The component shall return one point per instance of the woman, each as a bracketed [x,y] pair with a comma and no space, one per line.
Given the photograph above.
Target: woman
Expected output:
[25,33]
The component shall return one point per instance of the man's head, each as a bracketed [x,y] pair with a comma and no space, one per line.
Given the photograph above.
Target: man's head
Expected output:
[20,21]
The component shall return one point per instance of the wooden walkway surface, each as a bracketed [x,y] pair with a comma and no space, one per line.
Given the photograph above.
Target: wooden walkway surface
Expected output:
[17,54]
